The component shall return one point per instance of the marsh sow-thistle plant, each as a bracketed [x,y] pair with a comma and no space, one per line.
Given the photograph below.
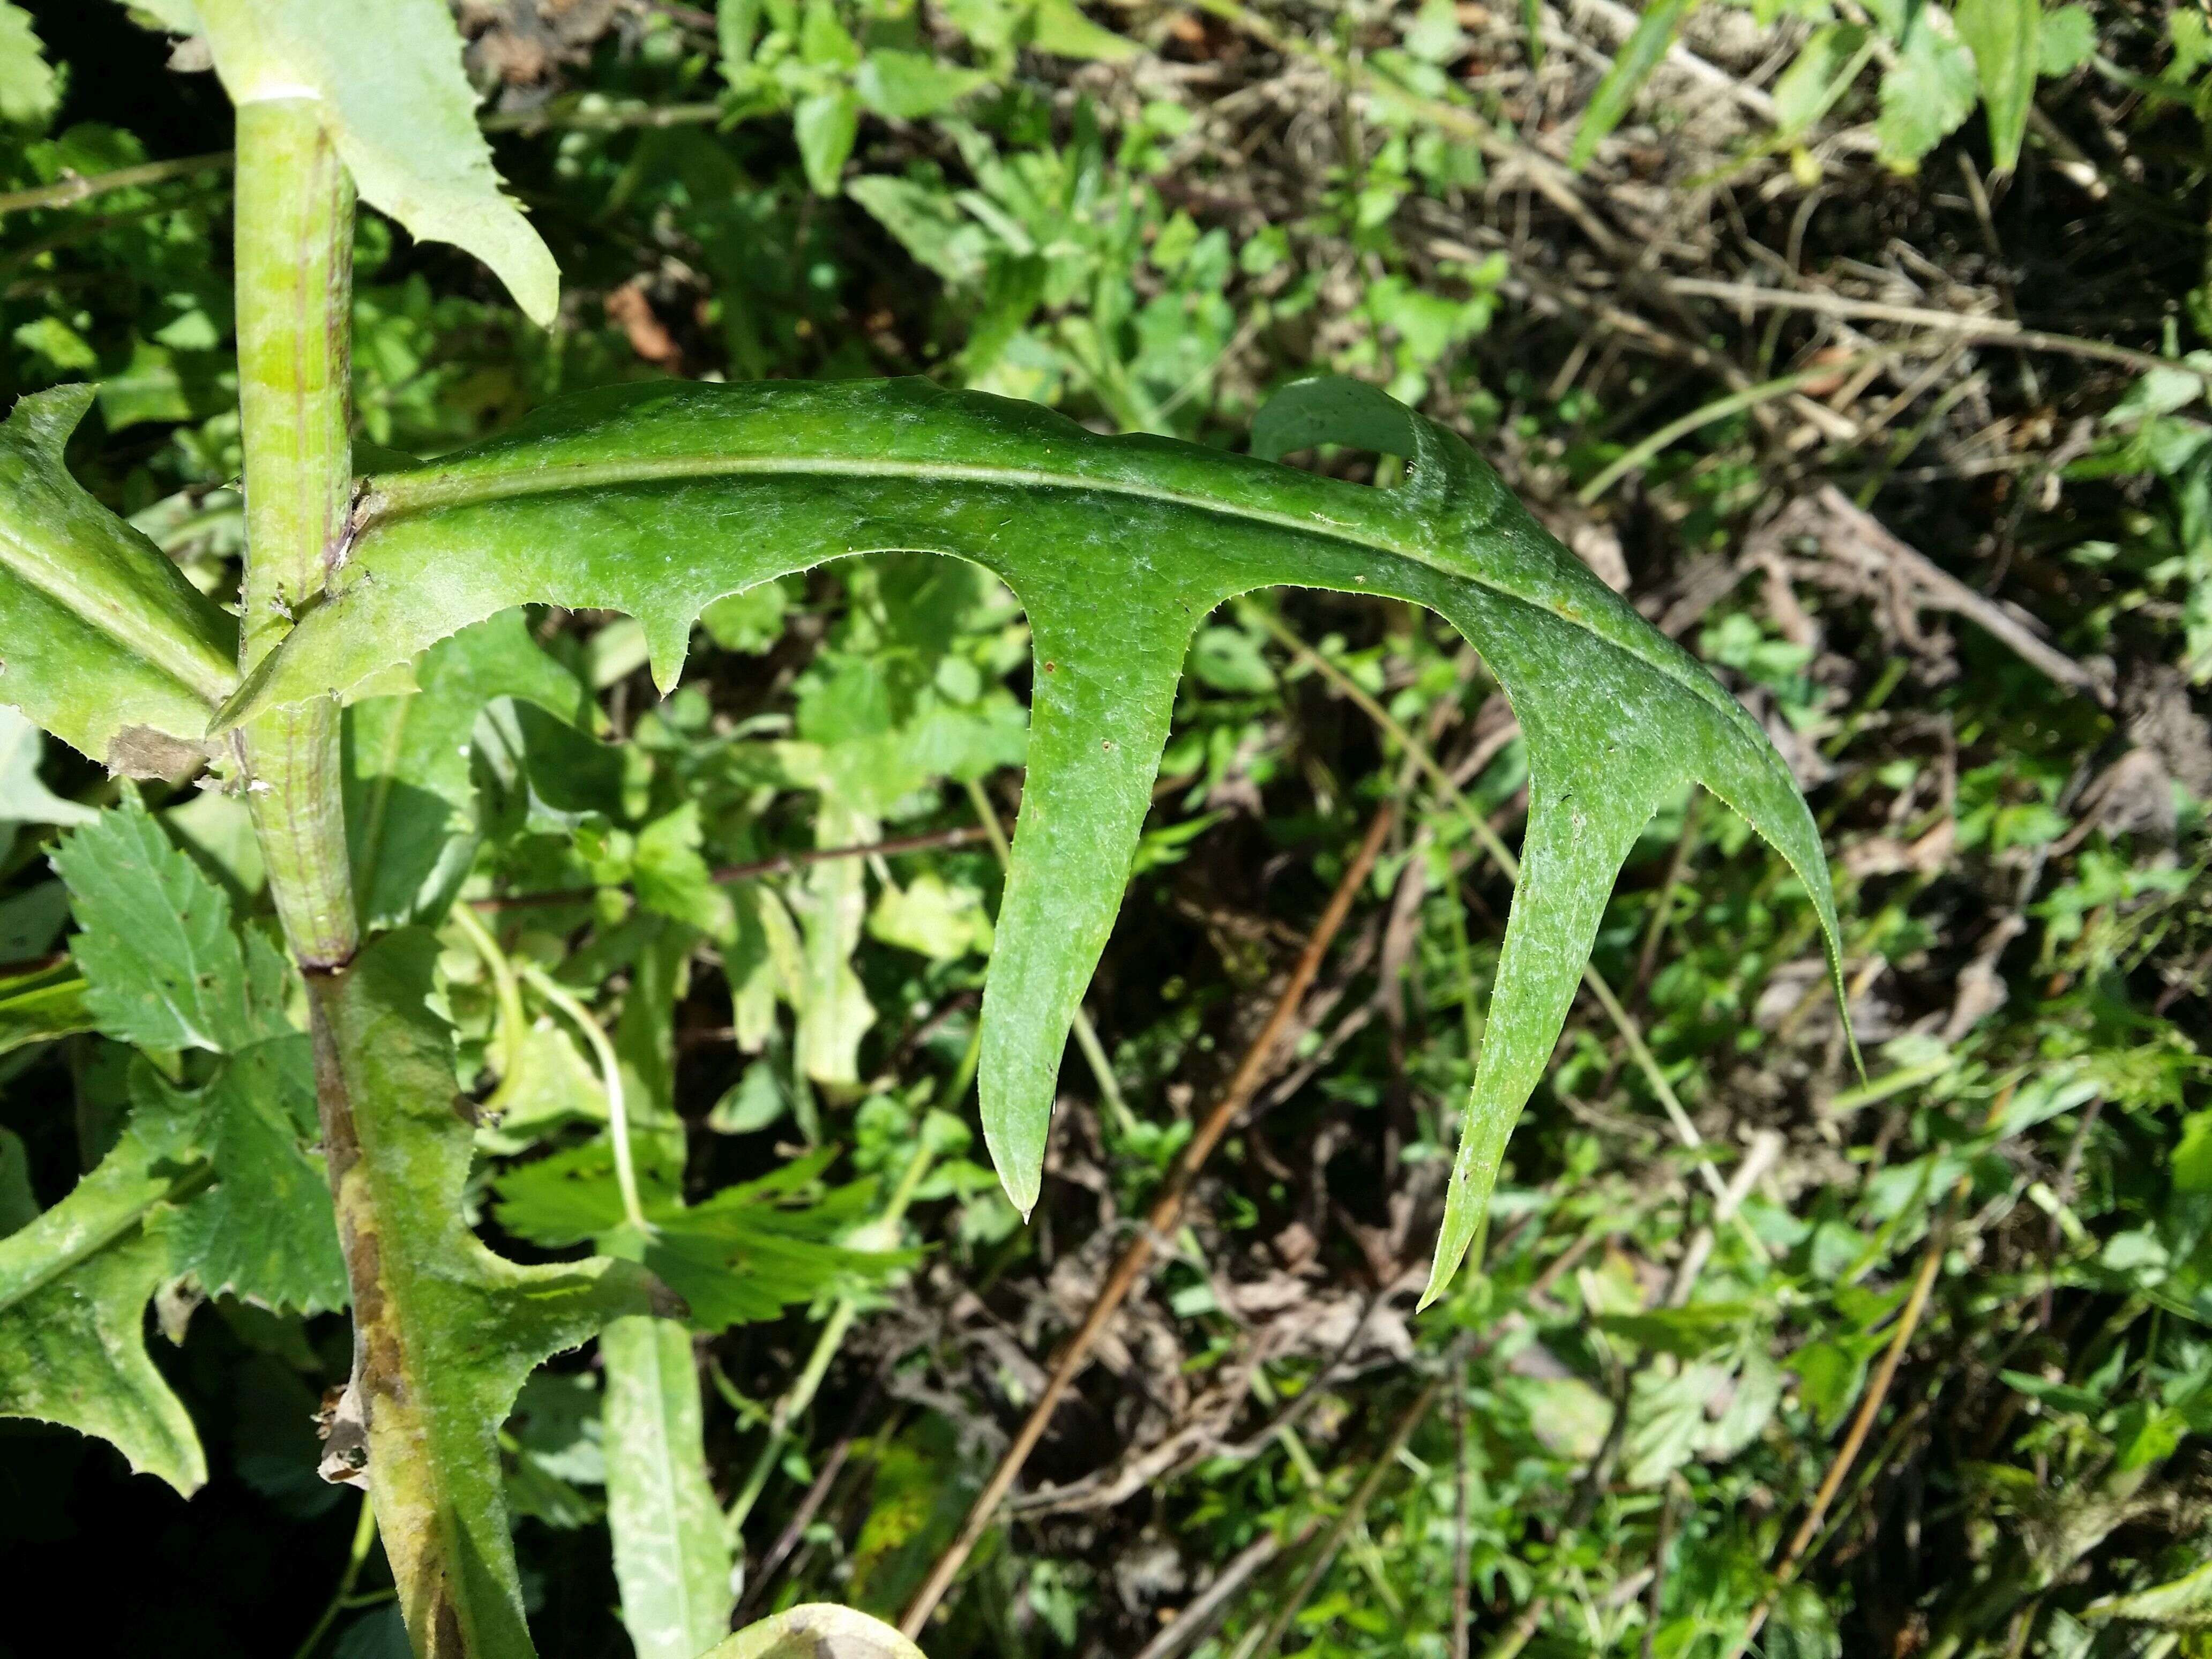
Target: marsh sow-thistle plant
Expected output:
[655,500]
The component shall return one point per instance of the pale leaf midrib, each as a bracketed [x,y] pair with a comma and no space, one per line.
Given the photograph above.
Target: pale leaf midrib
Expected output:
[30,566]
[187,1183]
[395,498]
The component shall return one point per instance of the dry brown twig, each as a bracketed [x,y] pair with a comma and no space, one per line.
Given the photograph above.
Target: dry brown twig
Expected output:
[1355,1508]
[1862,551]
[1161,1223]
[1870,1409]
[1202,1436]
[1193,1622]
[1991,331]
[73,187]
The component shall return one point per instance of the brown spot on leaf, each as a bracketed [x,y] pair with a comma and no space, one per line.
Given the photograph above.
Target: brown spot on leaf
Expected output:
[140,752]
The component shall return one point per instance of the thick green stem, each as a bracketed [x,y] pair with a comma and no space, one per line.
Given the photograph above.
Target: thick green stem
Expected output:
[445,1331]
[294,274]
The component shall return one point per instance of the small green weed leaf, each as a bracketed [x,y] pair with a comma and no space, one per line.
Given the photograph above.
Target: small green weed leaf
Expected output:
[150,387]
[1654,34]
[743,1255]
[2058,1396]
[830,905]
[74,1286]
[386,80]
[163,964]
[826,124]
[28,94]
[2190,1165]
[1750,1406]
[571,1196]
[2145,1434]
[1567,1417]
[1434,35]
[412,820]
[658,500]
[824,42]
[736,1261]
[911,86]
[1331,409]
[1823,70]
[671,1559]
[264,1233]
[2005,37]
[1229,660]
[817,1630]
[559,1425]
[547,776]
[1829,1375]
[927,224]
[2183,1603]
[1685,1332]
[61,346]
[445,1349]
[31,919]
[933,918]
[672,876]
[751,1104]
[1061,27]
[736,23]
[2066,40]
[1928,92]
[551,1087]
[767,963]
[102,631]
[751,621]
[645,1035]
[1666,1417]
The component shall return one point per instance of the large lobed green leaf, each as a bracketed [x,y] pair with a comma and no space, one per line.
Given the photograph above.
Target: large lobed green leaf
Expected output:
[265,1231]
[74,1286]
[657,500]
[219,1184]
[99,632]
[163,966]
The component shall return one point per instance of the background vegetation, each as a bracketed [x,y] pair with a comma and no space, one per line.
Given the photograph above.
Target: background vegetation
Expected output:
[1861,346]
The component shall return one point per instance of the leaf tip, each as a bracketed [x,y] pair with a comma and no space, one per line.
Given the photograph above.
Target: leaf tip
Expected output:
[667,646]
[1020,1184]
[49,417]
[243,703]
[533,276]
[1019,1161]
[1443,1267]
[185,1479]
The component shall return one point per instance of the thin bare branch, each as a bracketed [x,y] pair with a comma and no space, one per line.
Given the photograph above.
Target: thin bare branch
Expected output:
[1165,1215]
